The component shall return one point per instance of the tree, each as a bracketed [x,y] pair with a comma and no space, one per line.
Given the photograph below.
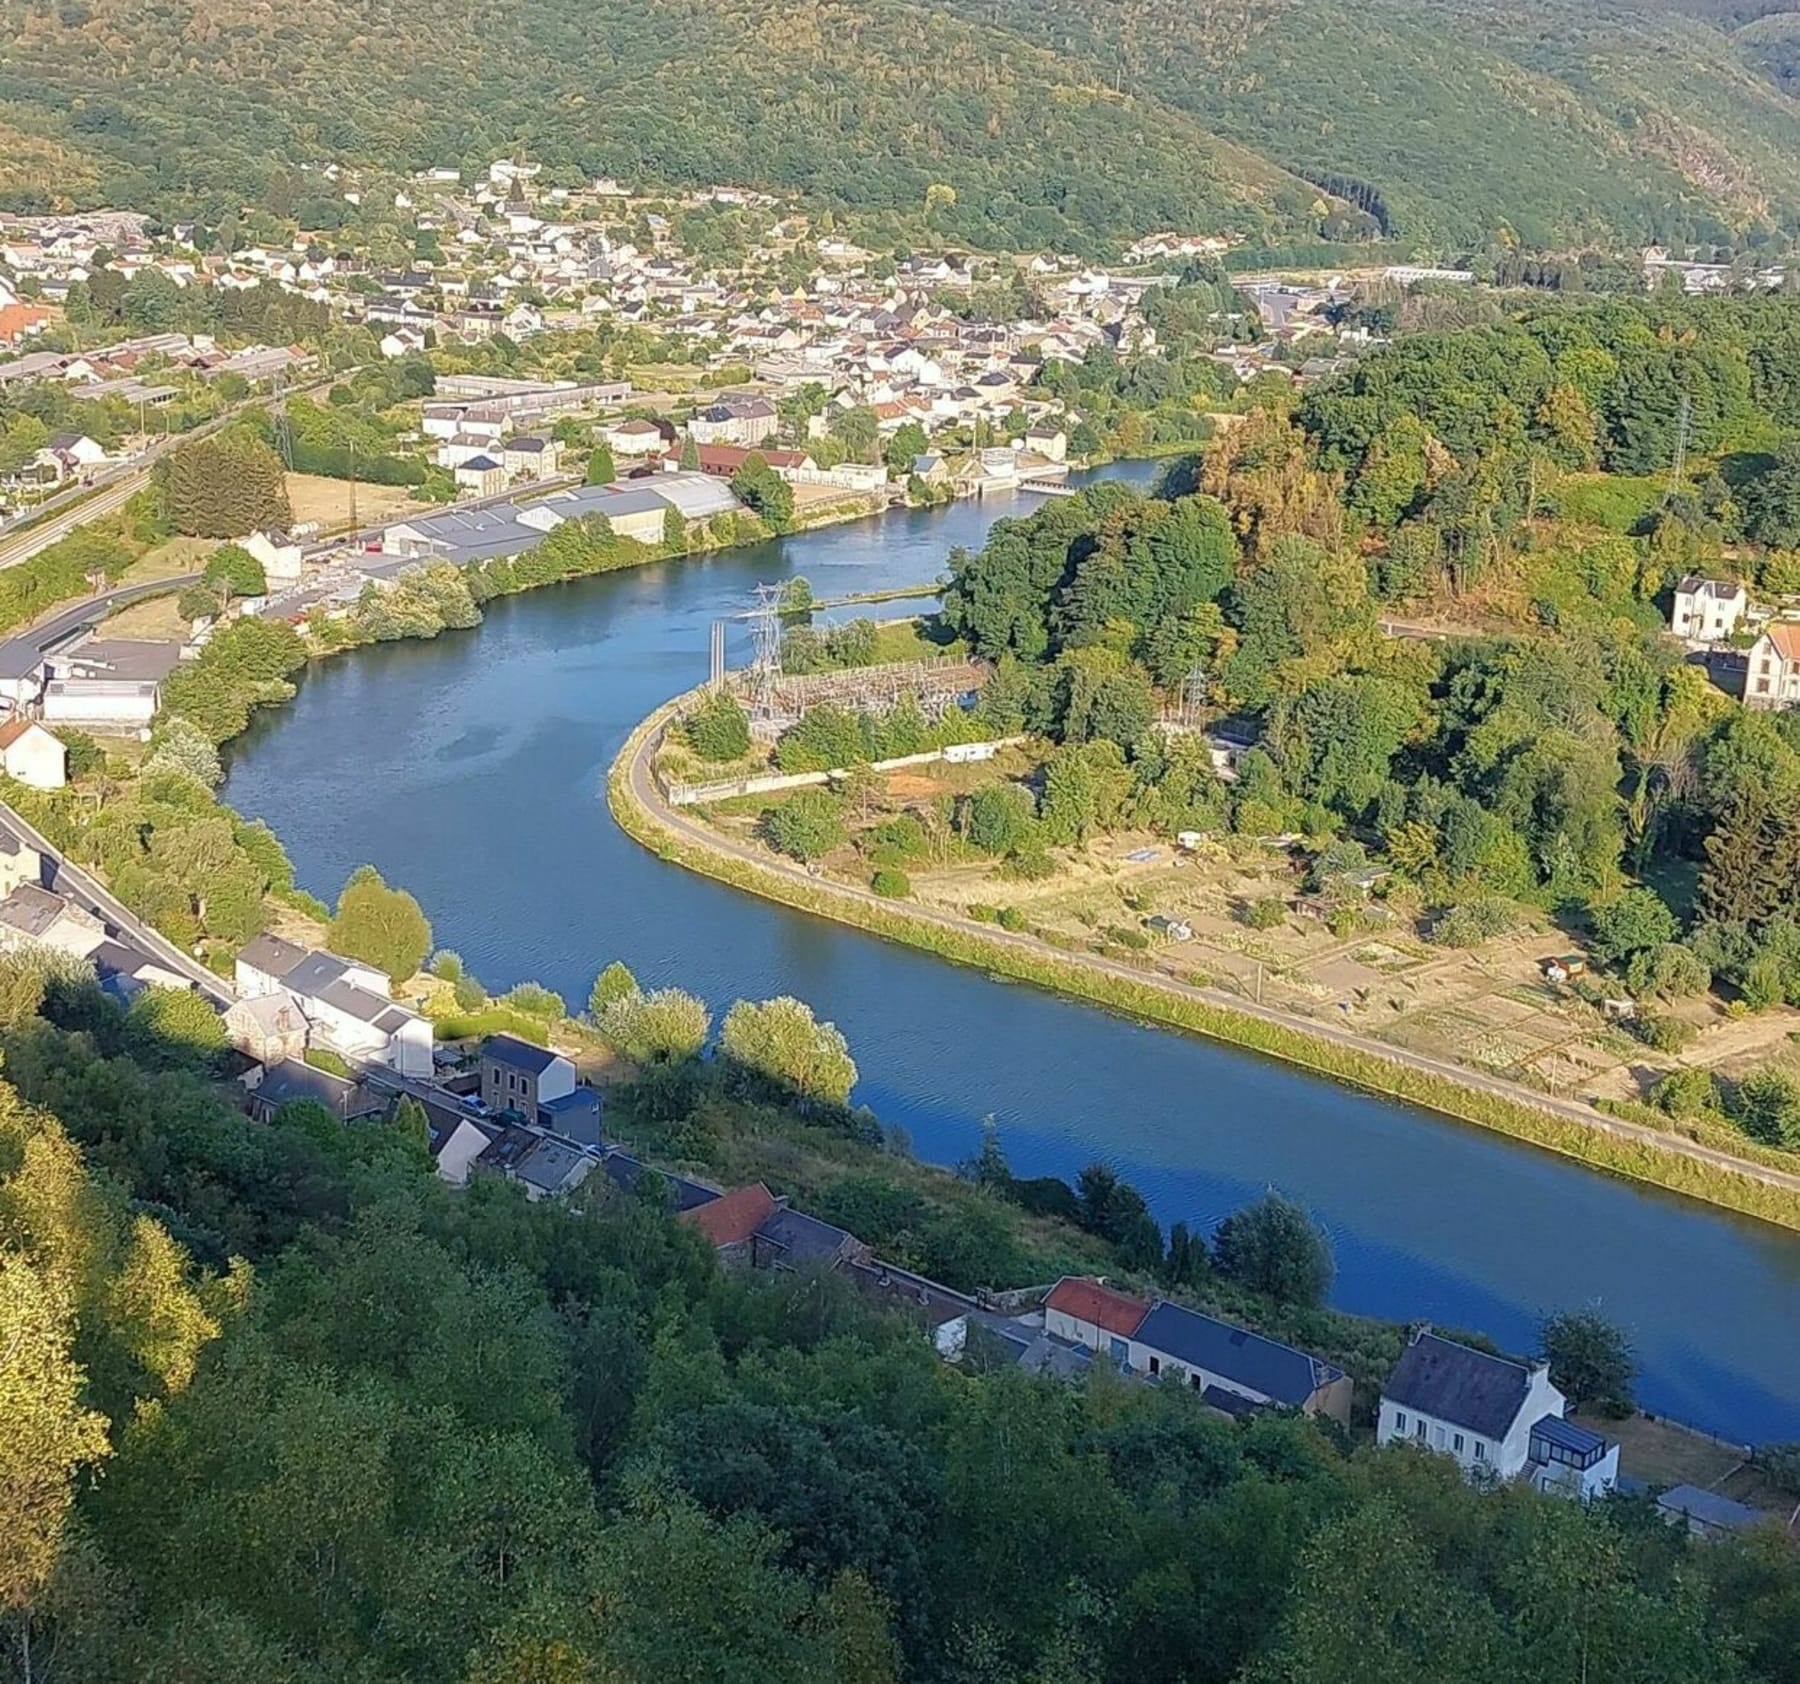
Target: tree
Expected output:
[1590,1360]
[718,729]
[384,926]
[764,492]
[783,1043]
[910,441]
[601,470]
[858,430]
[808,825]
[1275,1247]
[666,1026]
[1771,501]
[183,747]
[223,486]
[997,818]
[690,453]
[174,1029]
[613,983]
[235,568]
[1766,1107]
[1636,921]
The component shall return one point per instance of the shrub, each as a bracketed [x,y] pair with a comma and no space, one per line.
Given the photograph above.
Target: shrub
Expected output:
[1029,863]
[1265,913]
[806,826]
[1669,971]
[896,885]
[1136,940]
[535,1000]
[1010,918]
[1686,1094]
[1766,1107]
[1636,920]
[662,1027]
[718,729]
[904,838]
[1472,922]
[1666,1034]
[781,1041]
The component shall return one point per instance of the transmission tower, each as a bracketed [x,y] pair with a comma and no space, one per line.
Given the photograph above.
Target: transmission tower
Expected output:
[765,643]
[1683,423]
[715,678]
[1193,696]
[284,437]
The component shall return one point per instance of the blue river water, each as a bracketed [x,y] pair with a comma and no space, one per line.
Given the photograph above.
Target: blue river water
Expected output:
[471,769]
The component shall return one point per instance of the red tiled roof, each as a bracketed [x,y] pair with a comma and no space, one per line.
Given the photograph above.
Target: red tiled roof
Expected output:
[1785,635]
[1089,1301]
[728,458]
[732,1219]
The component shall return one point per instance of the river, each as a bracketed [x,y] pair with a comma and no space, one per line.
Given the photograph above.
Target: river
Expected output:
[471,770]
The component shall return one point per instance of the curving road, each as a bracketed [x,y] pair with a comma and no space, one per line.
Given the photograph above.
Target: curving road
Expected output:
[644,790]
[23,650]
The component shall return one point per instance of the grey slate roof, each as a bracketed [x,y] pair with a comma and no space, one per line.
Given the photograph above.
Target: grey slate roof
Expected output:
[517,1054]
[1260,1365]
[1451,1382]
[550,1163]
[1709,1508]
[31,910]
[802,1238]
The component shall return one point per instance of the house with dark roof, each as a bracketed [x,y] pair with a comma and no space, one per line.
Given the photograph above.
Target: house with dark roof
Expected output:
[523,1082]
[1706,1514]
[346,1004]
[291,1079]
[536,1160]
[1500,1419]
[1233,1369]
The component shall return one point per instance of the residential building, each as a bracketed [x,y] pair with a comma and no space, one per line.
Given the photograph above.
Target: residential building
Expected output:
[537,1161]
[345,1002]
[267,1027]
[19,863]
[729,1223]
[635,438]
[520,1077]
[1707,610]
[1705,1514]
[531,458]
[1773,676]
[280,553]
[121,706]
[267,1090]
[1498,1418]
[481,475]
[1233,1369]
[746,421]
[31,755]
[32,915]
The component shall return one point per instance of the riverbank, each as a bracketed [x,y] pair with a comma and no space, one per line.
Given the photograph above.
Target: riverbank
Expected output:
[1569,1128]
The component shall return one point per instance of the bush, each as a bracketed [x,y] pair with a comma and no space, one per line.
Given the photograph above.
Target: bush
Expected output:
[1136,940]
[1637,920]
[896,885]
[982,913]
[1779,1464]
[1028,863]
[1472,922]
[1669,971]
[1590,1359]
[903,837]
[806,826]
[1266,913]
[718,729]
[1010,918]
[535,1000]
[1766,1107]
[663,1027]
[1666,1034]
[614,983]
[1686,1094]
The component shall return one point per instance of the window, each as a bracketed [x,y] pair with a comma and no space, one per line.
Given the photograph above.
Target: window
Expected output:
[1456,1442]
[1399,1420]
[1156,1365]
[1419,1432]
[1194,1381]
[1480,1451]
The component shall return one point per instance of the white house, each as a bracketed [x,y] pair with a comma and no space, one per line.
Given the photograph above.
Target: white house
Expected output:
[1498,1418]
[31,755]
[481,475]
[344,1001]
[1773,678]
[1707,610]
[280,554]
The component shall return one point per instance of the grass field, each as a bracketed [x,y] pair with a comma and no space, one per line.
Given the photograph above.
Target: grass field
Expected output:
[327,501]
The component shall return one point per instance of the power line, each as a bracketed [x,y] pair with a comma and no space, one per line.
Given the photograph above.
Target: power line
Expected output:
[1683,423]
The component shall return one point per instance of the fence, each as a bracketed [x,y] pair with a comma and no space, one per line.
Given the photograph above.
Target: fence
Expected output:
[770,783]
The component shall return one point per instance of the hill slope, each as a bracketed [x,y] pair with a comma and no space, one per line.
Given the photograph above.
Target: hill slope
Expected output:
[1057,122]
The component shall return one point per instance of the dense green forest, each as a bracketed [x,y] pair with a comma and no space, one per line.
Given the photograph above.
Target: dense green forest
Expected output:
[1061,123]
[280,1408]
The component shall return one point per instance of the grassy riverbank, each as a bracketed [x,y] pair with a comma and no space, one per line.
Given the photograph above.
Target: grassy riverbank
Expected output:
[1599,1142]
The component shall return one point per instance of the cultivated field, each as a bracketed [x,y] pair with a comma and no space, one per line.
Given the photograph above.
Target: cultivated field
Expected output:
[314,497]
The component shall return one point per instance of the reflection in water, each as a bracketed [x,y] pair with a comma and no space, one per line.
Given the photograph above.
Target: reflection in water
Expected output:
[471,770]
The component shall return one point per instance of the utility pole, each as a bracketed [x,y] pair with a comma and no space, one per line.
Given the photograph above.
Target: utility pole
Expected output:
[353,488]
[284,437]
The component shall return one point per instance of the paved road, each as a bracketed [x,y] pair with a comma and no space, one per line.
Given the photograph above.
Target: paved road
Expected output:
[644,789]
[70,881]
[23,650]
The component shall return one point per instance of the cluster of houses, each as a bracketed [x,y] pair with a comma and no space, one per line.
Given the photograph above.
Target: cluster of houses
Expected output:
[1750,653]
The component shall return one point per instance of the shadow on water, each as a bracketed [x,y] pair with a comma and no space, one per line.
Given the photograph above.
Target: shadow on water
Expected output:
[471,769]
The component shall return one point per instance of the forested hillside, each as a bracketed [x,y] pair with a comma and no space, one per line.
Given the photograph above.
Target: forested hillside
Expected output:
[1056,122]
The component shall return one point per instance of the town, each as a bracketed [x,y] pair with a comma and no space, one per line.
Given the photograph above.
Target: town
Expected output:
[1469,808]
